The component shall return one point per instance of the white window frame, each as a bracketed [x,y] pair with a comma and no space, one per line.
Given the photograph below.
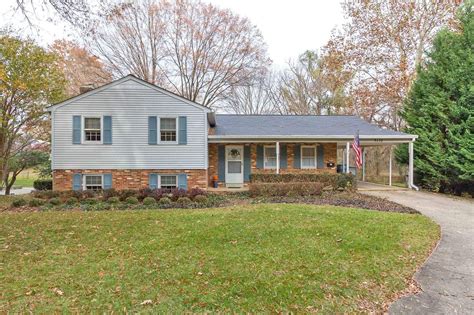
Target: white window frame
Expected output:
[159,130]
[265,157]
[315,156]
[171,175]
[83,131]
[84,186]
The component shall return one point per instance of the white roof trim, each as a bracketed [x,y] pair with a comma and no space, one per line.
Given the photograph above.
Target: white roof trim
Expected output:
[119,81]
[329,137]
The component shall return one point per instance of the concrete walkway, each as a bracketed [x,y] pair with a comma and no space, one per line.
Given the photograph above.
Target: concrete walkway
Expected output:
[21,191]
[447,278]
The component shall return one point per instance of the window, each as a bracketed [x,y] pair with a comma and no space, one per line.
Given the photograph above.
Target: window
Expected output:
[308,157]
[92,132]
[168,129]
[168,181]
[93,182]
[269,157]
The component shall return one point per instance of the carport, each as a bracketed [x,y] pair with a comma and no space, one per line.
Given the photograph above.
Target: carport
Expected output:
[383,137]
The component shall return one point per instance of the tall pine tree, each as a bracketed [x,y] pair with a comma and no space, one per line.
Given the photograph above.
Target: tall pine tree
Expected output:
[440,110]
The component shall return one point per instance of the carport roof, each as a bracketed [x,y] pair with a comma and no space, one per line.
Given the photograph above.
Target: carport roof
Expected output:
[294,126]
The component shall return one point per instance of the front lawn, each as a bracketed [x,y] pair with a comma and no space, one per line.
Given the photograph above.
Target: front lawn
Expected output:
[268,258]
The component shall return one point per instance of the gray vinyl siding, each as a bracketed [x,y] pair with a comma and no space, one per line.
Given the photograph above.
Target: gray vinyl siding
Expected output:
[129,103]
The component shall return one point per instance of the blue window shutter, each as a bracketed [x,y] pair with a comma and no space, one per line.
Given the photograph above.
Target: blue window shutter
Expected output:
[320,157]
[107,130]
[107,181]
[183,181]
[183,130]
[77,182]
[247,163]
[297,155]
[152,130]
[259,156]
[221,162]
[153,181]
[283,156]
[76,129]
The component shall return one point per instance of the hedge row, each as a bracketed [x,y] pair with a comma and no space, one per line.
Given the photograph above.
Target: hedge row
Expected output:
[336,181]
[43,184]
[285,189]
[121,195]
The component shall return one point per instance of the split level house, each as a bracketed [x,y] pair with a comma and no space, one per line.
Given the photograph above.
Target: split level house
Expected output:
[130,134]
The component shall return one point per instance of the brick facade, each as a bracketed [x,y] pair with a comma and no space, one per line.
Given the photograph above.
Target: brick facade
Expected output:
[330,155]
[128,179]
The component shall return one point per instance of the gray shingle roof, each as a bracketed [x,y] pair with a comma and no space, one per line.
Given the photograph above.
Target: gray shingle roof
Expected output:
[292,125]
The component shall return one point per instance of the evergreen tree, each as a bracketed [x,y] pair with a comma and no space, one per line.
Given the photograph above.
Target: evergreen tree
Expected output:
[440,110]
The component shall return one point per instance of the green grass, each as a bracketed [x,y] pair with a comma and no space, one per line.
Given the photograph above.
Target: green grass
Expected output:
[261,258]
[24,182]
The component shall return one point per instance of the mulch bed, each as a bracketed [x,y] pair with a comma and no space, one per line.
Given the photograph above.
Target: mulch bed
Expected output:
[345,199]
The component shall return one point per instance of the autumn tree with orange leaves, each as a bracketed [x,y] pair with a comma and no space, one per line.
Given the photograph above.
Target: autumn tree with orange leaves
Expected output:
[382,45]
[79,66]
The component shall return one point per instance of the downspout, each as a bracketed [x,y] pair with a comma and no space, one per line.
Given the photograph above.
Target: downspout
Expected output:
[410,167]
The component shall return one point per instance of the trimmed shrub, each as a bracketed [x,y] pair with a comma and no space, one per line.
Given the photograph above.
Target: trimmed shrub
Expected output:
[285,189]
[54,201]
[109,193]
[89,201]
[201,199]
[165,201]
[193,192]
[335,180]
[158,193]
[43,184]
[184,201]
[148,201]
[144,193]
[36,202]
[178,193]
[132,200]
[124,194]
[113,200]
[72,201]
[46,194]
[19,202]
[345,182]
[88,194]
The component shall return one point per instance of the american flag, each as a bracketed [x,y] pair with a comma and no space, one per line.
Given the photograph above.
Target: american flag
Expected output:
[357,150]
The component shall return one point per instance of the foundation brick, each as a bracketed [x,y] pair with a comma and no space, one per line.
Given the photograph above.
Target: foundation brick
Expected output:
[128,179]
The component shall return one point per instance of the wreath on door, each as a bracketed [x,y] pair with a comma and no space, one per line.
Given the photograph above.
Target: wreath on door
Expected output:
[234,153]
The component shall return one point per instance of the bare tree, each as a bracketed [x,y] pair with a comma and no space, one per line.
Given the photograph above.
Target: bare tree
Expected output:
[79,66]
[129,38]
[253,99]
[311,86]
[195,49]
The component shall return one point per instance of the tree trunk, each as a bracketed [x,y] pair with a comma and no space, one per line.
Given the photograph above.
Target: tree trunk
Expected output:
[9,184]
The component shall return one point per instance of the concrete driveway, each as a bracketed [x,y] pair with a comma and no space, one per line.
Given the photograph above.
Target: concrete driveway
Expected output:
[447,278]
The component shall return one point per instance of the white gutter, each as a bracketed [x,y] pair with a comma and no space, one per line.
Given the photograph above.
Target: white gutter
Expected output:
[332,137]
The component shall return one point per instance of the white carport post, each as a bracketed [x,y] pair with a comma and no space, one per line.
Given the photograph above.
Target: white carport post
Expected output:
[347,157]
[277,146]
[363,164]
[390,167]
[410,166]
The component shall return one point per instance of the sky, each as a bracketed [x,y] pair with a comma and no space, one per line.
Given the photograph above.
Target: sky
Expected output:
[289,27]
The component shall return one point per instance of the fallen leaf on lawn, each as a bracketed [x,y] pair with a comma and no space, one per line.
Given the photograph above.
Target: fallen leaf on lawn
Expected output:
[146,302]
[200,273]
[233,242]
[58,291]
[339,240]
